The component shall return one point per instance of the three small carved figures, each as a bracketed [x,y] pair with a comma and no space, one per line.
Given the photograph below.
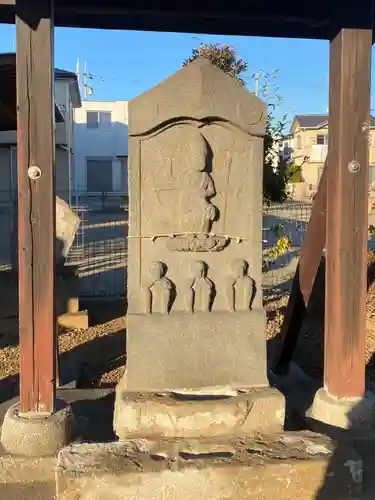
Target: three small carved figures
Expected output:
[199,291]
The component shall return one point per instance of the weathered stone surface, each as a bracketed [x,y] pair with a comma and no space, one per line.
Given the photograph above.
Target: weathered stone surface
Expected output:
[37,435]
[182,350]
[183,416]
[288,466]
[67,223]
[195,254]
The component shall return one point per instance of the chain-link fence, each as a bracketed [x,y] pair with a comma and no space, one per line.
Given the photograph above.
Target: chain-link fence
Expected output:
[287,219]
[100,248]
[99,251]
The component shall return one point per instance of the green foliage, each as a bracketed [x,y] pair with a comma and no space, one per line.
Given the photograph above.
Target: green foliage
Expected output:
[274,173]
[283,245]
[223,56]
[294,173]
[274,170]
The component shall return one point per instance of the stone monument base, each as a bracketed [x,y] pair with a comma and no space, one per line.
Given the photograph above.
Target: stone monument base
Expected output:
[285,466]
[181,350]
[204,413]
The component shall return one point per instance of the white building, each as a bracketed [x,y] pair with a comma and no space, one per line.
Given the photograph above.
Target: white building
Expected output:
[101,147]
[67,97]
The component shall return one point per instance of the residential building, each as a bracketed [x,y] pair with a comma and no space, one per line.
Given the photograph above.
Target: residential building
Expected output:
[67,98]
[309,147]
[286,147]
[101,137]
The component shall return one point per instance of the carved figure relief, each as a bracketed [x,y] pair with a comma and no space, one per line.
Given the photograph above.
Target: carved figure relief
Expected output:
[159,291]
[197,188]
[201,289]
[197,211]
[240,287]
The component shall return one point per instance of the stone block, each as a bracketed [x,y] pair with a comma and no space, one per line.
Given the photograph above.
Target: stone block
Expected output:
[183,416]
[288,466]
[73,304]
[67,223]
[183,350]
[77,320]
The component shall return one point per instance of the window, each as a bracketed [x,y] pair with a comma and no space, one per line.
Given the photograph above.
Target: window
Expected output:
[99,119]
[322,139]
[299,142]
[92,119]
[99,174]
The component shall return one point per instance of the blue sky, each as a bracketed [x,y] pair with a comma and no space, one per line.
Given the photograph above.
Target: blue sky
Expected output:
[130,62]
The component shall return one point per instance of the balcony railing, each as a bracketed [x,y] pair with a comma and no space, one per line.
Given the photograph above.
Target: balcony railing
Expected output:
[318,153]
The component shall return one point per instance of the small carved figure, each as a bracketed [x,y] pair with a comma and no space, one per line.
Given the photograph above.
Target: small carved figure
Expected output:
[240,288]
[159,290]
[201,289]
[197,211]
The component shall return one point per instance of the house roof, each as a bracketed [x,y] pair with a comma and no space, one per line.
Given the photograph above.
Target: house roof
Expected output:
[317,121]
[311,121]
[8,92]
[291,18]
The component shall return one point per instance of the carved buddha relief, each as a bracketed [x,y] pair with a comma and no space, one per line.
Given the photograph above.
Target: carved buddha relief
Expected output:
[201,289]
[240,287]
[159,290]
[197,186]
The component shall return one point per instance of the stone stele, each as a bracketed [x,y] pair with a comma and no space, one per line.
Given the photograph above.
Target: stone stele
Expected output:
[195,315]
[67,224]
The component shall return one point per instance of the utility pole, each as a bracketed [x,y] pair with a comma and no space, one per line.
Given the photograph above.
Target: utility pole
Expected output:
[85,82]
[87,89]
[257,77]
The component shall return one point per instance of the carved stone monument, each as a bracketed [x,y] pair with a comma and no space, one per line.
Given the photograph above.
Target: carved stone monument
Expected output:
[195,314]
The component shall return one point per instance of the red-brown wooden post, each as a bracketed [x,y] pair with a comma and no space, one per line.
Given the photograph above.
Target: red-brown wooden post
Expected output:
[346,230]
[304,279]
[36,205]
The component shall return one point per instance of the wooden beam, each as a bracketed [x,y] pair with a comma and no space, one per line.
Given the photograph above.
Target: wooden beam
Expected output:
[347,196]
[36,205]
[310,258]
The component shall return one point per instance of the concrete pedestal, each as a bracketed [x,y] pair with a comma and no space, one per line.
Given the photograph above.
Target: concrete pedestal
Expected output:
[37,435]
[356,414]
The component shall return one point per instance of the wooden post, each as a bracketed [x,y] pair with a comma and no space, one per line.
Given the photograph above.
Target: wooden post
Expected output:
[347,193]
[36,205]
[304,279]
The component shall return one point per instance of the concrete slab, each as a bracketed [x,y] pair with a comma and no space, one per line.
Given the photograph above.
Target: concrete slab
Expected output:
[200,414]
[289,466]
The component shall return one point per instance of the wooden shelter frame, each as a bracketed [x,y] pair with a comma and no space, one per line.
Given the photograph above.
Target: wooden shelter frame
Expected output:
[339,215]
